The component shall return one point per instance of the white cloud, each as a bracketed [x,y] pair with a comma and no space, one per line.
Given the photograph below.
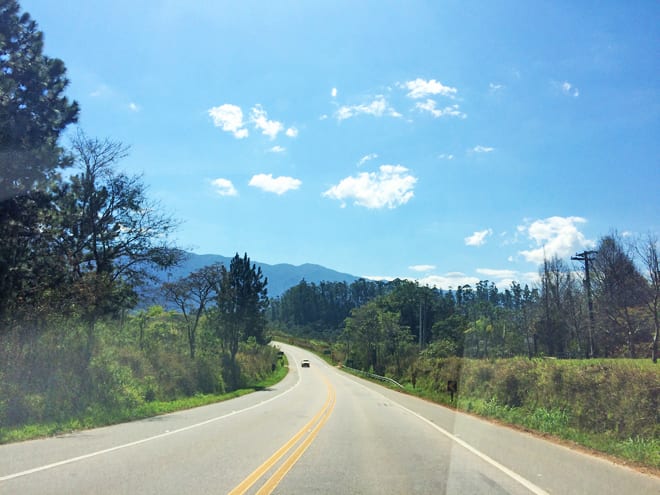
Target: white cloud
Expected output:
[421,268]
[446,156]
[390,187]
[570,90]
[378,107]
[554,236]
[366,158]
[478,238]
[451,280]
[323,117]
[420,88]
[497,273]
[133,107]
[224,187]
[277,185]
[292,132]
[230,118]
[277,149]
[429,106]
[494,88]
[503,277]
[259,118]
[333,93]
[482,149]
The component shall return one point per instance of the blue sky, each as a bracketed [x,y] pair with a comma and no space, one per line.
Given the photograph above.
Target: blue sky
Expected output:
[448,141]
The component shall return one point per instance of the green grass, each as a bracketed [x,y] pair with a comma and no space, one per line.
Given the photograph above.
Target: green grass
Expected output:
[96,418]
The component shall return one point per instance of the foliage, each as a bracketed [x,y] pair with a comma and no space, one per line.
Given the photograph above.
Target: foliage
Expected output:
[33,108]
[239,312]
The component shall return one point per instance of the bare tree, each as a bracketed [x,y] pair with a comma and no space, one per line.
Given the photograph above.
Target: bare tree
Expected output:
[191,295]
[648,252]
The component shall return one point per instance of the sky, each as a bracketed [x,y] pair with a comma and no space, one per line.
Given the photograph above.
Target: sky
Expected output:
[442,141]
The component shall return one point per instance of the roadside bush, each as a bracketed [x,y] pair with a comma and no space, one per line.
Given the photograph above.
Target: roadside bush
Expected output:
[618,397]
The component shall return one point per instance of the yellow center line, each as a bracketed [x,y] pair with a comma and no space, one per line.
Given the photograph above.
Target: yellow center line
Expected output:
[286,466]
[253,477]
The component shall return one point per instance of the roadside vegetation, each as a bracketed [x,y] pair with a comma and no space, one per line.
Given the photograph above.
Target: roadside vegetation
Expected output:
[81,243]
[607,405]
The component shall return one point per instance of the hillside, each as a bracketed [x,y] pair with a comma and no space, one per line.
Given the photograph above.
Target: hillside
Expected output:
[281,276]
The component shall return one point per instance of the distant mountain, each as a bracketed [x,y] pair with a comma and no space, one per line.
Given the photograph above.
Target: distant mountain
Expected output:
[280,277]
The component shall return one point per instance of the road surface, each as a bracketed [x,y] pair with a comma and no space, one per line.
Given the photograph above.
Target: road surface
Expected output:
[319,431]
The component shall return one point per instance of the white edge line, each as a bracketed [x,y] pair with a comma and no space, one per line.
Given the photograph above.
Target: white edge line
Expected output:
[512,474]
[144,440]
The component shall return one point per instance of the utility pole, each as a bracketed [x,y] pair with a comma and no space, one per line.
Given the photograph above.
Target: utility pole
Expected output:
[585,258]
[420,325]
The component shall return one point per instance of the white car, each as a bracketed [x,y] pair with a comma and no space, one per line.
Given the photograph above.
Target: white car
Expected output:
[305,363]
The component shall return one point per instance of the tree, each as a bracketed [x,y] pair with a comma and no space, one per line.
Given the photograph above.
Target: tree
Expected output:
[33,109]
[620,291]
[648,252]
[33,113]
[112,235]
[241,303]
[191,295]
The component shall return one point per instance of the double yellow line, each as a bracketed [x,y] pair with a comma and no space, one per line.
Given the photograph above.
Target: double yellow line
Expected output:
[309,435]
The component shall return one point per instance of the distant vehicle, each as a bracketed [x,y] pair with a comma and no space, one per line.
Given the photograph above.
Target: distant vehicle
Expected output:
[305,363]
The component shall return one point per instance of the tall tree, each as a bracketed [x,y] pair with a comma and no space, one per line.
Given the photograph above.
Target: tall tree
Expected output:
[33,113]
[241,305]
[112,234]
[33,108]
[620,291]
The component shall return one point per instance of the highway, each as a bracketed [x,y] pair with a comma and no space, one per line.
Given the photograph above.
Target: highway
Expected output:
[319,431]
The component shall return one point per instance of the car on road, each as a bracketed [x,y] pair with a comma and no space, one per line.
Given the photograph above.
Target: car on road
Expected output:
[305,363]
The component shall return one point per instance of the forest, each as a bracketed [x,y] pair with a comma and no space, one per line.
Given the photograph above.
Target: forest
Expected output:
[383,326]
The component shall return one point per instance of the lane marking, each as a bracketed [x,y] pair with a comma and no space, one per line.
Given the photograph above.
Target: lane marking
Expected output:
[510,473]
[284,469]
[253,477]
[148,439]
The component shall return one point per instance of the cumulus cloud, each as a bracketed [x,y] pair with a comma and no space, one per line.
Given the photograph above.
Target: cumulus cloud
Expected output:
[224,187]
[230,119]
[494,88]
[390,187]
[333,92]
[478,238]
[482,149]
[554,236]
[366,158]
[446,156]
[421,268]
[430,106]
[133,107]
[277,149]
[291,132]
[420,88]
[259,118]
[377,108]
[277,185]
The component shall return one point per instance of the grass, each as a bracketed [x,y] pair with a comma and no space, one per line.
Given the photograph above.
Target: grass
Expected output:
[96,418]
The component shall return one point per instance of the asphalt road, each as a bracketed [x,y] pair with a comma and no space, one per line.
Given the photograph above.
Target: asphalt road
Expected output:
[319,431]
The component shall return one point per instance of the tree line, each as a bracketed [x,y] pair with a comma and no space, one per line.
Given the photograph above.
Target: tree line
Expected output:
[381,324]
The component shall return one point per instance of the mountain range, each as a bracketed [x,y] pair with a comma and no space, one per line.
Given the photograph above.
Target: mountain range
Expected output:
[281,276]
